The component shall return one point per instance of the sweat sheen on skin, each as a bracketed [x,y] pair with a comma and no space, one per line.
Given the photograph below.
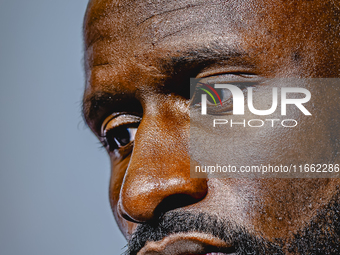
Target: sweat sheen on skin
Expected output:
[139,58]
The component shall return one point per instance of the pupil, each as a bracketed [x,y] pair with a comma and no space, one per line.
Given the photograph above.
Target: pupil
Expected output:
[122,135]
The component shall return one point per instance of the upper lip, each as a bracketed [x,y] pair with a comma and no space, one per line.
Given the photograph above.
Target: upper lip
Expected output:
[187,243]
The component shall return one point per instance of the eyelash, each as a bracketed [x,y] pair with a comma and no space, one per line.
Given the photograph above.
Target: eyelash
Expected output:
[118,132]
[119,137]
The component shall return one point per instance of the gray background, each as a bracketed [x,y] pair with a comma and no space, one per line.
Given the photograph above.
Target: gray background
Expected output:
[54,176]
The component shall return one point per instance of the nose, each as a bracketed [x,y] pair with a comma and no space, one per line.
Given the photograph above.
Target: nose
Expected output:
[158,176]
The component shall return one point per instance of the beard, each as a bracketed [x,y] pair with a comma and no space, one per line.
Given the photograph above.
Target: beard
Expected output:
[320,236]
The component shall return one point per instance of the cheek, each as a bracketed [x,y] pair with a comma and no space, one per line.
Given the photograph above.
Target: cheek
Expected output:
[275,208]
[285,206]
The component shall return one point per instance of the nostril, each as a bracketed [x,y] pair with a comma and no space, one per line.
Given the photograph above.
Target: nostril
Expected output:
[128,218]
[124,214]
[173,202]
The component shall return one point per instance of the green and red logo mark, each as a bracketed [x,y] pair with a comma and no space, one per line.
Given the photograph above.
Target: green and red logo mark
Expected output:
[206,90]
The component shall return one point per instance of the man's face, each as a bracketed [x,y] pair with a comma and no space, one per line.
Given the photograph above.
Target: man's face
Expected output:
[140,56]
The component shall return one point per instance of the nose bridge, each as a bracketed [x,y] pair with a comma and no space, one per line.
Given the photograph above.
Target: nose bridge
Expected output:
[160,165]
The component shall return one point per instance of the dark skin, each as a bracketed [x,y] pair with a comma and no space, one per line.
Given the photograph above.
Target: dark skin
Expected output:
[139,57]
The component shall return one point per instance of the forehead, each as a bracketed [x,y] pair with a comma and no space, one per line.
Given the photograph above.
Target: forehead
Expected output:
[138,27]
[120,17]
[116,28]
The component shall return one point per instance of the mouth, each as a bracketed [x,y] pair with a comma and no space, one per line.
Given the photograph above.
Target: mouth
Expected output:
[192,243]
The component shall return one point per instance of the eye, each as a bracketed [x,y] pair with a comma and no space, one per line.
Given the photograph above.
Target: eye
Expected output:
[119,131]
[120,137]
[219,101]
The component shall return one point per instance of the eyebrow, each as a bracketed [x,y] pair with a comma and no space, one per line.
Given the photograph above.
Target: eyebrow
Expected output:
[180,61]
[209,52]
[93,103]
[99,105]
